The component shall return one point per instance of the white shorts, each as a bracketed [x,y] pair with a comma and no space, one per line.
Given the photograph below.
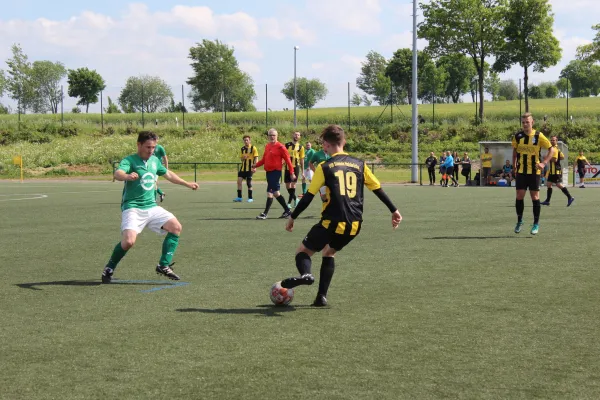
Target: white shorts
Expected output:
[137,219]
[308,174]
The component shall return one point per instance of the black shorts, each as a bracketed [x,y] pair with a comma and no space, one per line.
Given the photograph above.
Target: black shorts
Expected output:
[487,171]
[555,178]
[319,236]
[581,173]
[528,181]
[449,170]
[273,178]
[288,179]
[245,174]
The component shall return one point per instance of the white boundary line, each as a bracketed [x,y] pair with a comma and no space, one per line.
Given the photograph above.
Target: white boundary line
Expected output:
[39,196]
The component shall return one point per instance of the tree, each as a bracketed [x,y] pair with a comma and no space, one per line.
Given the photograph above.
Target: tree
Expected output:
[86,85]
[590,52]
[584,78]
[564,86]
[175,108]
[471,27]
[551,92]
[112,107]
[529,40]
[2,83]
[46,77]
[369,78]
[508,90]
[535,92]
[399,69]
[76,110]
[308,92]
[459,70]
[356,99]
[432,83]
[492,84]
[216,76]
[18,80]
[367,101]
[145,93]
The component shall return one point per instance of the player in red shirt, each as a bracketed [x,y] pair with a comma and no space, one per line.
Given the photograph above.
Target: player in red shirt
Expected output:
[275,153]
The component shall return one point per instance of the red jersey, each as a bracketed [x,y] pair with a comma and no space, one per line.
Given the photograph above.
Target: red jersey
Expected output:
[272,157]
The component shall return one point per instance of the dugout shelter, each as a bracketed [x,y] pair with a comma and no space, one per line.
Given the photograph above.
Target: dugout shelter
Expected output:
[502,151]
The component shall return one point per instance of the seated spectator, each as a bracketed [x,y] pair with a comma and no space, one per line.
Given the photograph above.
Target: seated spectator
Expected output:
[507,172]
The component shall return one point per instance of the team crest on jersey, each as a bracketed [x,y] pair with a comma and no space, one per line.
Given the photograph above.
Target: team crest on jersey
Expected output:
[148,181]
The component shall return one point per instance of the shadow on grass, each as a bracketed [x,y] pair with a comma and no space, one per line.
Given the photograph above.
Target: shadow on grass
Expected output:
[477,237]
[248,218]
[267,310]
[95,282]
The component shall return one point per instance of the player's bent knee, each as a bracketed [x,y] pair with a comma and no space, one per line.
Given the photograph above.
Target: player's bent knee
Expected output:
[173,226]
[303,249]
[328,252]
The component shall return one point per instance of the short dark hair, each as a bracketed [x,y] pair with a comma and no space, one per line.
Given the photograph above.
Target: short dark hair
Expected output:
[333,134]
[246,136]
[144,136]
[527,115]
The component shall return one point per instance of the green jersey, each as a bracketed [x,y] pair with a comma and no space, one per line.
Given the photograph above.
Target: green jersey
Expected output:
[160,152]
[307,156]
[319,157]
[140,193]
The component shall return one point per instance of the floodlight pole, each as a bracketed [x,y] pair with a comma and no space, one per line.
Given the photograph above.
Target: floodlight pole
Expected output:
[414,170]
[295,50]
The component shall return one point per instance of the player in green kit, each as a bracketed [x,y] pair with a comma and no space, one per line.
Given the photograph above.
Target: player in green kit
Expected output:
[317,159]
[139,173]
[308,173]
[161,154]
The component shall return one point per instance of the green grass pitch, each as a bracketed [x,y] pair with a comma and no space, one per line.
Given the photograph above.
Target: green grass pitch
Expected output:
[451,305]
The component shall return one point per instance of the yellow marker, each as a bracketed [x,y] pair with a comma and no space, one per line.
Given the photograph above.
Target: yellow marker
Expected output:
[18,160]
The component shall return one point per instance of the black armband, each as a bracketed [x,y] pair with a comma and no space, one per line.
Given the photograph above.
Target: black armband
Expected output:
[381,195]
[302,205]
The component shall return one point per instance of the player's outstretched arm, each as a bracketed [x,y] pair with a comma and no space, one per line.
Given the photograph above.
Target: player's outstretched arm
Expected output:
[174,178]
[121,175]
[396,217]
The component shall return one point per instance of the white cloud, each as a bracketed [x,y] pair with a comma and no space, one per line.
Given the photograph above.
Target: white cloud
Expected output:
[317,66]
[250,67]
[360,16]
[247,48]
[401,41]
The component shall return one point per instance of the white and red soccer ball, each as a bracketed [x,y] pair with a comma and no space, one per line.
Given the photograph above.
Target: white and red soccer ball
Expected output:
[281,296]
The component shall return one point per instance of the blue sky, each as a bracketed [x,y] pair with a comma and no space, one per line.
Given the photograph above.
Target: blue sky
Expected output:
[121,39]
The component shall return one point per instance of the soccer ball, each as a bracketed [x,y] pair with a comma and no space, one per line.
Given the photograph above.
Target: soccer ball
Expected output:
[281,296]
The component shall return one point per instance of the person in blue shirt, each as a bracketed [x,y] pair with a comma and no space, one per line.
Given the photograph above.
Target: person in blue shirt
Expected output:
[507,172]
[449,165]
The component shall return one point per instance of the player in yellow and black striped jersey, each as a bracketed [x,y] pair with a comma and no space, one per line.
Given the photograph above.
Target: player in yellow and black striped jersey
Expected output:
[248,157]
[296,151]
[341,218]
[555,174]
[580,163]
[527,145]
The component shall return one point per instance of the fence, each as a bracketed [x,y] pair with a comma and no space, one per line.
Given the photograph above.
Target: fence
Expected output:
[196,166]
[344,104]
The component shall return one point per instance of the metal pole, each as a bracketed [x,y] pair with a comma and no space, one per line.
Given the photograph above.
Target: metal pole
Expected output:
[266,106]
[295,49]
[306,87]
[142,104]
[415,128]
[392,101]
[101,111]
[348,106]
[433,96]
[476,95]
[19,109]
[182,108]
[62,101]
[520,99]
[568,103]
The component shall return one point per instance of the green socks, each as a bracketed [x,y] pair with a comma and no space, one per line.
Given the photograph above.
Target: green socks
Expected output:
[168,249]
[117,254]
[304,188]
[160,192]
